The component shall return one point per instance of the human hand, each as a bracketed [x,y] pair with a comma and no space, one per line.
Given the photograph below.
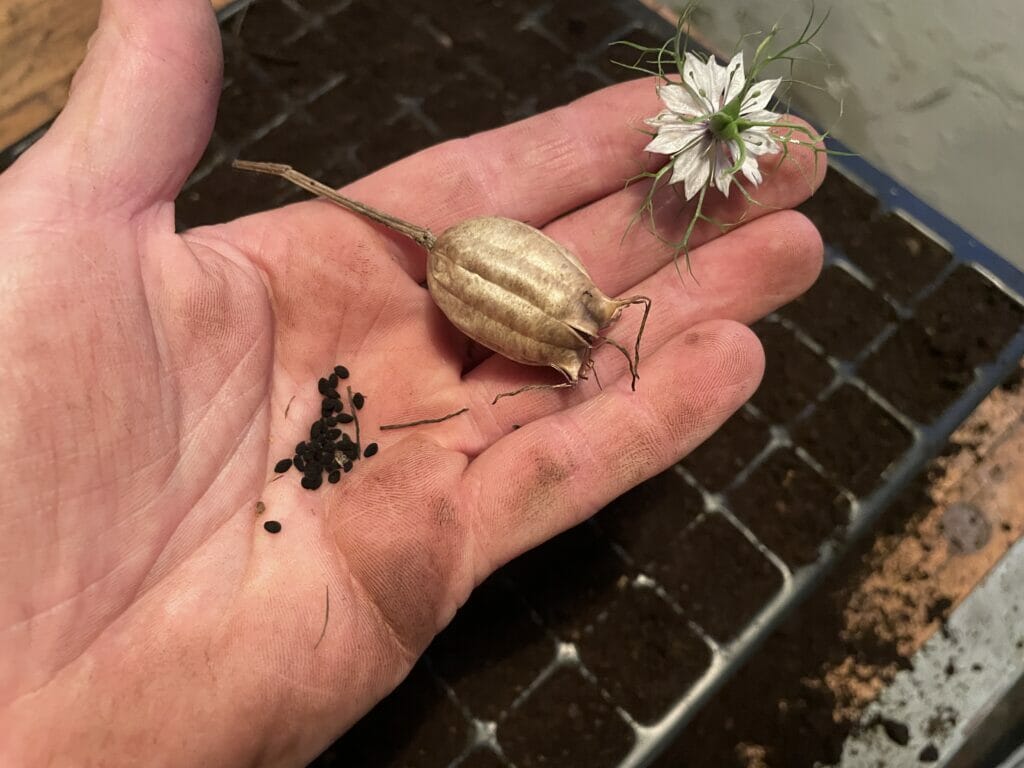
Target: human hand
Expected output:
[143,607]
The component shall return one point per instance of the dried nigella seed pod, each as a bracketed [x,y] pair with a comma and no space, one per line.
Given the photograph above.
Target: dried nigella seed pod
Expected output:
[506,285]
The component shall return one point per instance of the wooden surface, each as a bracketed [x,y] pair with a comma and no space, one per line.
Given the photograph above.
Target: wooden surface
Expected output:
[42,42]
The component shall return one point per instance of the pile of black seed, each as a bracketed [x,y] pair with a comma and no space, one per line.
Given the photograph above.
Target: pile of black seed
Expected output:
[330,450]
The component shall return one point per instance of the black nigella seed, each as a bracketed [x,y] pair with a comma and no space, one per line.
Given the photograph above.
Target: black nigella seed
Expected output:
[283,466]
[347,466]
[358,399]
[333,434]
[333,395]
[333,465]
[324,386]
[331,421]
[333,380]
[332,404]
[300,448]
[370,450]
[341,371]
[334,477]
[316,430]
[345,418]
[312,482]
[272,526]
[300,464]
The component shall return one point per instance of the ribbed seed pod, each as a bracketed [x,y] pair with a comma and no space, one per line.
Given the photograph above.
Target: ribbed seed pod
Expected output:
[515,290]
[506,285]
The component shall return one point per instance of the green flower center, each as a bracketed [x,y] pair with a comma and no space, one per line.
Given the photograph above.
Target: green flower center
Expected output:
[726,124]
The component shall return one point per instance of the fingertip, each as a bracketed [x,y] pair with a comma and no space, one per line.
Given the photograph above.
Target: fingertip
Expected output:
[798,253]
[732,357]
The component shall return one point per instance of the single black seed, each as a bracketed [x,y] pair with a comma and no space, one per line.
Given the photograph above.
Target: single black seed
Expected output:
[300,464]
[333,434]
[334,477]
[334,465]
[316,430]
[300,447]
[333,380]
[324,386]
[345,441]
[345,418]
[897,732]
[341,371]
[333,394]
[358,399]
[312,482]
[370,450]
[331,421]
[283,466]
[333,404]
[347,466]
[272,526]
[929,754]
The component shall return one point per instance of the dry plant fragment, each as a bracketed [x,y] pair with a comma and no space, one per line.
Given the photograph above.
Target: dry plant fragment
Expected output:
[506,285]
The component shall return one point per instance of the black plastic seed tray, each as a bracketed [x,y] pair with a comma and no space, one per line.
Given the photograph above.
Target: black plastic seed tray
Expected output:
[595,649]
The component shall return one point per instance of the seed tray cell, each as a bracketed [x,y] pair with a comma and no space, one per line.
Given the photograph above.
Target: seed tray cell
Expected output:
[597,648]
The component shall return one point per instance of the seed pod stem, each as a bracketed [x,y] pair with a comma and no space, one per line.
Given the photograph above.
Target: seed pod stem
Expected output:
[421,235]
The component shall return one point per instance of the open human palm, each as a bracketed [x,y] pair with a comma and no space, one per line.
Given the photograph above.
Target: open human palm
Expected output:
[152,380]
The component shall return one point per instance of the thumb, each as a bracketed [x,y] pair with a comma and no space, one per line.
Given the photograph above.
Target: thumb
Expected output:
[141,106]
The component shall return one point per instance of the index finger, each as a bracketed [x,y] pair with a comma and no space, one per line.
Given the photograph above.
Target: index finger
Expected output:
[534,170]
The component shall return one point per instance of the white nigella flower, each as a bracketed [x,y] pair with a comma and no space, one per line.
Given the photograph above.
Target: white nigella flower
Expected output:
[714,124]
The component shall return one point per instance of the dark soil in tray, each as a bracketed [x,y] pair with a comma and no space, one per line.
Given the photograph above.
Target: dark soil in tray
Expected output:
[567,723]
[492,651]
[483,758]
[840,313]
[418,726]
[644,653]
[777,710]
[570,580]
[715,463]
[897,256]
[790,507]
[718,577]
[794,375]
[648,520]
[930,359]
[853,438]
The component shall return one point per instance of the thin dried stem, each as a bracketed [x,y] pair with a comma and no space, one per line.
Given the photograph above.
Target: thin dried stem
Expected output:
[419,422]
[421,235]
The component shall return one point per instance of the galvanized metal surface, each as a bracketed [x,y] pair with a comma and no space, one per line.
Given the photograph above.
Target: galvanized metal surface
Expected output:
[959,716]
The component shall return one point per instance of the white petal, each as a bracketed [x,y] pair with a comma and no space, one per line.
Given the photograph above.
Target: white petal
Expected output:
[723,166]
[762,116]
[692,169]
[759,95]
[734,78]
[759,141]
[717,82]
[751,170]
[680,101]
[695,75]
[672,139]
